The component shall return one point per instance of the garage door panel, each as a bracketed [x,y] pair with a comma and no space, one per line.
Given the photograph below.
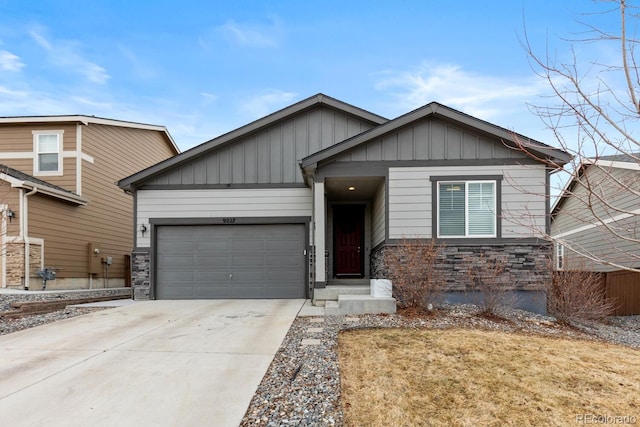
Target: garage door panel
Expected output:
[230,261]
[176,261]
[212,261]
[281,260]
[248,245]
[178,276]
[285,276]
[212,292]
[283,245]
[213,245]
[180,246]
[248,261]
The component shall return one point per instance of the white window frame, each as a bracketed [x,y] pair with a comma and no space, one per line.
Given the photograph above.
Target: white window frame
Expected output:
[466,208]
[36,152]
[560,257]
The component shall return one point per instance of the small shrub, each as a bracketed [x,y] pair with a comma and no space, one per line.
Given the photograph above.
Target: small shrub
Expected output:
[578,295]
[489,282]
[412,268]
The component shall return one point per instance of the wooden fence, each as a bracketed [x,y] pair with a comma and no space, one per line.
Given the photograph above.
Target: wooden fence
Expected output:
[623,287]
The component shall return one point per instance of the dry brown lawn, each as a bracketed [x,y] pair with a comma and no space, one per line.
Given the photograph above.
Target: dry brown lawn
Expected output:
[407,377]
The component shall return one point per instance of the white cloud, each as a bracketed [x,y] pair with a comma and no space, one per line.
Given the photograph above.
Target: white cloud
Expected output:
[482,96]
[6,92]
[252,35]
[9,61]
[266,102]
[208,98]
[65,55]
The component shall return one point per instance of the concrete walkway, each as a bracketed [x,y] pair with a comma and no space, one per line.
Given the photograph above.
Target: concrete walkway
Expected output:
[156,363]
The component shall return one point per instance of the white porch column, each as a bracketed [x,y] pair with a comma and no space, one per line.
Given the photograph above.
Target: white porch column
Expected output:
[319,221]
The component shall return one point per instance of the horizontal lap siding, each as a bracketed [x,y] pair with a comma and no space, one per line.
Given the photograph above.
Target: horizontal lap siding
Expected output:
[409,203]
[240,203]
[19,138]
[410,199]
[576,210]
[604,245]
[378,217]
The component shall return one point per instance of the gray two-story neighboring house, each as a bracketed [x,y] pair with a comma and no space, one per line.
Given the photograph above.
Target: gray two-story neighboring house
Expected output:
[596,220]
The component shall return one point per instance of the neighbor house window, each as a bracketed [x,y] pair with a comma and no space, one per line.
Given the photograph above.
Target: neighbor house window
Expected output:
[48,153]
[559,256]
[467,209]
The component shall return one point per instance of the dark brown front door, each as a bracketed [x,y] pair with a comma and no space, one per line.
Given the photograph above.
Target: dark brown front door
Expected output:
[348,240]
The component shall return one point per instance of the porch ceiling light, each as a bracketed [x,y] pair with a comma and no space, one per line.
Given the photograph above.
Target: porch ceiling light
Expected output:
[351,188]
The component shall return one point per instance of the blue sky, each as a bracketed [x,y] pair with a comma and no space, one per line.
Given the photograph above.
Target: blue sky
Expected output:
[203,68]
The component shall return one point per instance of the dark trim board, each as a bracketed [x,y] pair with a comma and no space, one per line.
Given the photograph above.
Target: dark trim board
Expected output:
[465,241]
[381,168]
[231,220]
[220,186]
[434,202]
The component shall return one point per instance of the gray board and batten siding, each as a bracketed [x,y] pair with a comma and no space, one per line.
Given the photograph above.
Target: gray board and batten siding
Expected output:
[431,139]
[270,155]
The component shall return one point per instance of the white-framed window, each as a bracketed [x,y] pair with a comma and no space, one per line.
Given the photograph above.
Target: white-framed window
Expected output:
[560,261]
[466,209]
[47,146]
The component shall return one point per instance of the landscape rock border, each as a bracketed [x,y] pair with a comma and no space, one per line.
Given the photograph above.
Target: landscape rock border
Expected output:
[302,385]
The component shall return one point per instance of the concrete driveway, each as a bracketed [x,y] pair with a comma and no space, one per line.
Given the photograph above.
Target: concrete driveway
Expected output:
[155,363]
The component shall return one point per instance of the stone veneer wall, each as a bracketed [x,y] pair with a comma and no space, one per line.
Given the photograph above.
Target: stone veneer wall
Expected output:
[526,264]
[15,265]
[140,275]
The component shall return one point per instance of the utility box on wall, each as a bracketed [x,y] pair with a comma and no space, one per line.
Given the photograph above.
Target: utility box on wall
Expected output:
[95,259]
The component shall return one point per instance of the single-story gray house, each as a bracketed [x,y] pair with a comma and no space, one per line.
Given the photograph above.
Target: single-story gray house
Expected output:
[309,196]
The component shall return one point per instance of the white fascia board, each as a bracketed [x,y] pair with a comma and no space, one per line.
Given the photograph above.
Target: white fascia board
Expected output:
[617,165]
[28,185]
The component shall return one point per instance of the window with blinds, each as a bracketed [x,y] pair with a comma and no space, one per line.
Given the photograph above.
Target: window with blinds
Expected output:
[467,209]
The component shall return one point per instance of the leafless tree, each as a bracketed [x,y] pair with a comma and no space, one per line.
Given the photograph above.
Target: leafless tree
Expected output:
[412,266]
[594,114]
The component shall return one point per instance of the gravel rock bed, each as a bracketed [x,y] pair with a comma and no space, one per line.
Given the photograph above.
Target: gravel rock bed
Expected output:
[302,385]
[13,324]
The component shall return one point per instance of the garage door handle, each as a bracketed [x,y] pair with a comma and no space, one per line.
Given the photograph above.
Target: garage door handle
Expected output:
[231,277]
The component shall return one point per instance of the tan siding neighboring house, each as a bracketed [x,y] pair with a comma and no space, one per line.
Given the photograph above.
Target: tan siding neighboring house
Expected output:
[77,205]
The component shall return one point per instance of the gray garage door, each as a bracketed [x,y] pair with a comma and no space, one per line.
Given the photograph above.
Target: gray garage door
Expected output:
[230,261]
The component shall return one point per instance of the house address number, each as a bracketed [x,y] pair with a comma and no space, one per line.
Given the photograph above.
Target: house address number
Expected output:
[228,220]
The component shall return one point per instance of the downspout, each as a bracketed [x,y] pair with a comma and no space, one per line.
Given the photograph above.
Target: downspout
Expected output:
[3,235]
[24,231]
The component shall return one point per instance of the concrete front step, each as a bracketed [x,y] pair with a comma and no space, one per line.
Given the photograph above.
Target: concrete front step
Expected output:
[359,304]
[330,293]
